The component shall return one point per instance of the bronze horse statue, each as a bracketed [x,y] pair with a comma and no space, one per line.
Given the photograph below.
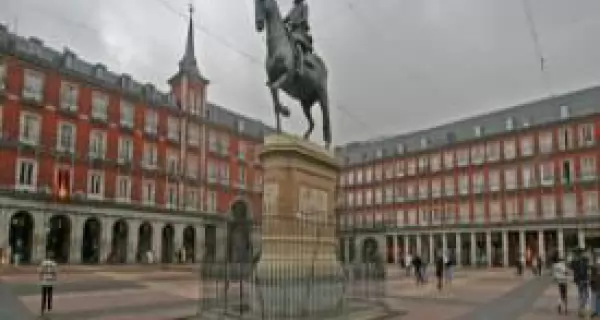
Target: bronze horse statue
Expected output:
[309,87]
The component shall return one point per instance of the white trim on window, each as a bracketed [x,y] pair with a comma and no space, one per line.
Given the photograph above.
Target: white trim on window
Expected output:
[26,175]
[33,128]
[95,189]
[68,143]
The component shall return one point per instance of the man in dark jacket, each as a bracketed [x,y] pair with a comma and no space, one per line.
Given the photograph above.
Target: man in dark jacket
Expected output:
[439,271]
[418,267]
[580,266]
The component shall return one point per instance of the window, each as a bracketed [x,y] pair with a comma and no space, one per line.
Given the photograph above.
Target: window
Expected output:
[368,175]
[66,137]
[448,160]
[2,75]
[462,157]
[389,194]
[378,173]
[359,198]
[547,173]
[378,196]
[526,146]
[549,207]
[1,113]
[590,203]
[564,112]
[123,189]
[369,197]
[510,178]
[588,168]
[242,176]
[350,199]
[359,176]
[33,87]
[411,215]
[30,128]
[212,172]
[567,169]
[493,151]
[173,128]
[436,162]
[463,184]
[478,131]
[586,135]
[399,193]
[478,182]
[172,161]
[423,164]
[213,143]
[97,144]
[224,174]
[171,196]
[99,106]
[192,167]
[569,205]
[351,178]
[436,188]
[26,178]
[148,192]
[478,212]
[495,210]
[530,207]
[528,175]
[494,180]
[449,186]
[151,122]
[400,148]
[411,167]
[424,142]
[389,171]
[478,154]
[63,181]
[126,114]
[510,123]
[68,96]
[464,211]
[400,169]
[191,199]
[150,160]
[411,191]
[193,135]
[423,189]
[378,154]
[510,151]
[546,142]
[125,150]
[565,138]
[95,184]
[211,201]
[512,208]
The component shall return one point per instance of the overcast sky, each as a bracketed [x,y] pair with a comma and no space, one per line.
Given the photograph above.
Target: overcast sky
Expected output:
[395,65]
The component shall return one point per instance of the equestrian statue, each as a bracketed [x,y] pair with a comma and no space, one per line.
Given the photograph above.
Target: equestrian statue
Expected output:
[292,65]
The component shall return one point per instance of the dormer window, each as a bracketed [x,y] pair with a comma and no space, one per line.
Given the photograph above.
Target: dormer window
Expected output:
[240,125]
[2,75]
[379,153]
[99,70]
[125,81]
[564,112]
[450,137]
[478,131]
[400,148]
[424,143]
[68,57]
[510,123]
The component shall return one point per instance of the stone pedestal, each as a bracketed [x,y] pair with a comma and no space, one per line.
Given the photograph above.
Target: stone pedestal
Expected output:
[298,273]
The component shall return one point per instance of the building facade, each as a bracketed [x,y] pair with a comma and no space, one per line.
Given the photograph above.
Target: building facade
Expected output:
[97,167]
[520,182]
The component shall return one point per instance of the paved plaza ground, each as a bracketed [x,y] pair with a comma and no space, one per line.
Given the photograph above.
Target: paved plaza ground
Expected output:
[151,293]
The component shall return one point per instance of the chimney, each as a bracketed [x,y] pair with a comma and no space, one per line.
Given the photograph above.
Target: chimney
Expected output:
[37,41]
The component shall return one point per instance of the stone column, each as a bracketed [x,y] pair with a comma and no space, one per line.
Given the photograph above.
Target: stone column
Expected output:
[76,239]
[505,261]
[419,246]
[444,243]
[488,248]
[473,249]
[178,238]
[581,238]
[431,248]
[40,220]
[395,252]
[521,245]
[106,238]
[199,245]
[157,241]
[458,251]
[406,245]
[4,231]
[560,239]
[541,247]
[133,232]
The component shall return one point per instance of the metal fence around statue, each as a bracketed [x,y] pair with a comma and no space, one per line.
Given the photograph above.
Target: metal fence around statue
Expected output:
[291,270]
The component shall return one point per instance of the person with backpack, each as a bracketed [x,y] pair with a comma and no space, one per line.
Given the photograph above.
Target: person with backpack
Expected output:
[580,267]
[48,274]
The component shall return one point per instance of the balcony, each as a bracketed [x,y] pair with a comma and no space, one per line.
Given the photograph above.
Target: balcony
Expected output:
[32,97]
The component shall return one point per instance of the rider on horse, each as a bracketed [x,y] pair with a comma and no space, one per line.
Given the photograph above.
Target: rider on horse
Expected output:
[297,23]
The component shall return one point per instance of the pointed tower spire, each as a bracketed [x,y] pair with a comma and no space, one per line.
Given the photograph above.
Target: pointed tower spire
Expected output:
[188,65]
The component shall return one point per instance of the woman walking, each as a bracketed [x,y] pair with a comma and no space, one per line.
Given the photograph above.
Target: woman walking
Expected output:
[561,276]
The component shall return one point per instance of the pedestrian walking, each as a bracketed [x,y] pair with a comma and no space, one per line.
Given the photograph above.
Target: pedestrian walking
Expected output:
[580,267]
[48,274]
[418,269]
[449,268]
[561,276]
[595,289]
[439,271]
[408,264]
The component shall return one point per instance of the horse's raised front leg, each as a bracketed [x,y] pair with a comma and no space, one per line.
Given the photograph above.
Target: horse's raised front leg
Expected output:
[279,108]
[324,102]
[277,83]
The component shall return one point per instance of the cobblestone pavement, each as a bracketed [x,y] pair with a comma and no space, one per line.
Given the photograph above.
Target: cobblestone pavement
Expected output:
[168,294]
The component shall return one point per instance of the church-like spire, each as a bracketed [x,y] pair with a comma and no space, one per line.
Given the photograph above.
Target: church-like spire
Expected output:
[188,65]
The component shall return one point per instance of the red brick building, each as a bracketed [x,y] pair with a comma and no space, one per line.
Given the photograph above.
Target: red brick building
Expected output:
[518,182]
[97,166]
